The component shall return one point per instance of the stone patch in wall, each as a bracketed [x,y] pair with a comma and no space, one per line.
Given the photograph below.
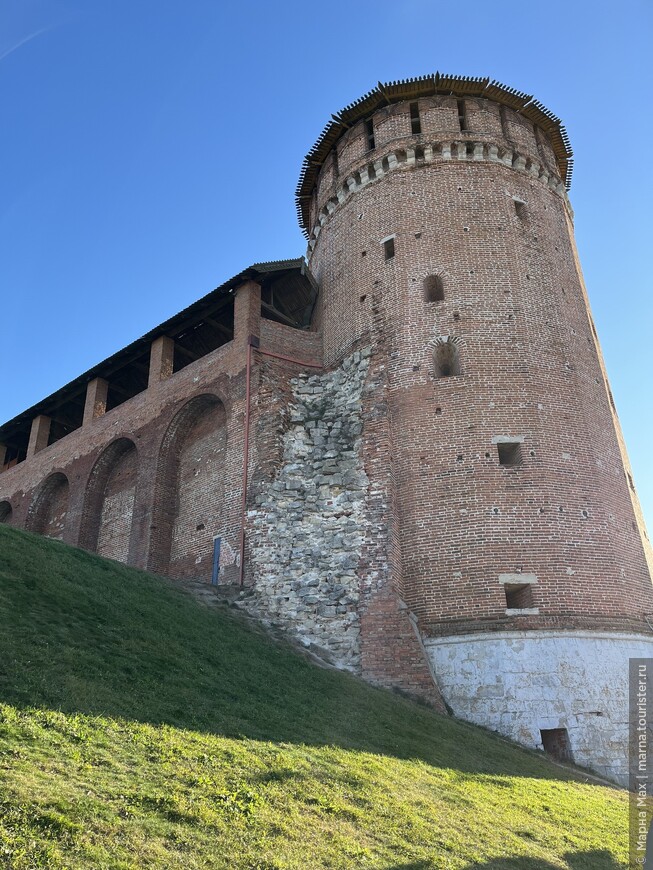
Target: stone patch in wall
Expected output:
[307,530]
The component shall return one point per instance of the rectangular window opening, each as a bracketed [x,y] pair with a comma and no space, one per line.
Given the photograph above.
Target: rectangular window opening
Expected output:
[415,121]
[369,133]
[519,596]
[389,248]
[509,453]
[556,743]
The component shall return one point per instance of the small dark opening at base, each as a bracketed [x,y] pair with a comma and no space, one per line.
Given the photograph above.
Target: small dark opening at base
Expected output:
[556,743]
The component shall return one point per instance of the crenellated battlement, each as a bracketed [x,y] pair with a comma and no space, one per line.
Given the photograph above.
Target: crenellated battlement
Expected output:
[433,108]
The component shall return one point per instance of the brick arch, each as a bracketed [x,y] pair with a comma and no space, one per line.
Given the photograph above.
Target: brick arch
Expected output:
[445,354]
[5,512]
[47,512]
[433,287]
[108,513]
[189,490]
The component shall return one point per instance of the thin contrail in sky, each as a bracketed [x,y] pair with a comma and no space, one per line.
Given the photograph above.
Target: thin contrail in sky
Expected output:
[24,40]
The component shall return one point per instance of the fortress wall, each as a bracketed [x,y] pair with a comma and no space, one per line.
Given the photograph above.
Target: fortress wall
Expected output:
[438,494]
[160,503]
[117,510]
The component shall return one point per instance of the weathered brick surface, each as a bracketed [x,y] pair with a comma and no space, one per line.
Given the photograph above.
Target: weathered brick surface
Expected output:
[116,513]
[530,366]
[47,515]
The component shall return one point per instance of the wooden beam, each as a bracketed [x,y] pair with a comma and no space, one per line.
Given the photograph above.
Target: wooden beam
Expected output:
[66,422]
[113,388]
[187,353]
[201,316]
[281,316]
[223,329]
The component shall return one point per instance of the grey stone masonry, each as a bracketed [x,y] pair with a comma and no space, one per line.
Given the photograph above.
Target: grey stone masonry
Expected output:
[307,530]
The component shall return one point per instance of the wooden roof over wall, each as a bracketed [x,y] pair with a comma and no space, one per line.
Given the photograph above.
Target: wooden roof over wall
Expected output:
[292,280]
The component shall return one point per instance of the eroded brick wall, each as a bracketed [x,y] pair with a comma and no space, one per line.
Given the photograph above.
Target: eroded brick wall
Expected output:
[117,510]
[199,487]
[50,506]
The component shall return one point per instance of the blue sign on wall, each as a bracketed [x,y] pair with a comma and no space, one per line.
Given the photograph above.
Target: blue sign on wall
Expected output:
[216,561]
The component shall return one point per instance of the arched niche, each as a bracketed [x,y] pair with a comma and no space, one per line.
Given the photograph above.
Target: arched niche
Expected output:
[188,508]
[47,513]
[108,513]
[446,358]
[5,512]
[433,288]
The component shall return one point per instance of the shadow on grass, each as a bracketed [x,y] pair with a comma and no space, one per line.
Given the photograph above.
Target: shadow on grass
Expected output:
[597,860]
[86,635]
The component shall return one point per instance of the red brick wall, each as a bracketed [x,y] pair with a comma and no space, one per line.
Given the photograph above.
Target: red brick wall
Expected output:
[117,504]
[445,518]
[199,494]
[142,421]
[184,435]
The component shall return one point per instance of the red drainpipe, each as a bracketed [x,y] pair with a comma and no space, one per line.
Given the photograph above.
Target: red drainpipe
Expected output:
[253,344]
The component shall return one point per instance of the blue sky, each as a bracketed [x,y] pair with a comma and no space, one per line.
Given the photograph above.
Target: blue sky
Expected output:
[151,150]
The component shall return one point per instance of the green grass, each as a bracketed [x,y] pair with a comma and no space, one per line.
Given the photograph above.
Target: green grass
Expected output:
[139,728]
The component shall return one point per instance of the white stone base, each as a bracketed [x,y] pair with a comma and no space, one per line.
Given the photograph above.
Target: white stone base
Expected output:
[519,682]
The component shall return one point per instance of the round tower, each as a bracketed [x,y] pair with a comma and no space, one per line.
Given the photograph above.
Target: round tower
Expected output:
[440,234]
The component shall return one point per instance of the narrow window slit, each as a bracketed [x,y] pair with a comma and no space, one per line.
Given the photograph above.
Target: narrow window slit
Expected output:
[462,115]
[520,209]
[446,360]
[389,248]
[369,133]
[433,288]
[415,121]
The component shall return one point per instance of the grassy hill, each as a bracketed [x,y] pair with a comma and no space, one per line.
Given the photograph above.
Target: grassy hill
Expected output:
[140,728]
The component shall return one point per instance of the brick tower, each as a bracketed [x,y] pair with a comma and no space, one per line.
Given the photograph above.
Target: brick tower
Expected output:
[440,234]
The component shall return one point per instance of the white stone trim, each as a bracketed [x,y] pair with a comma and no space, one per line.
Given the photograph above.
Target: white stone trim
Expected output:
[518,579]
[522,611]
[508,439]
[455,149]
